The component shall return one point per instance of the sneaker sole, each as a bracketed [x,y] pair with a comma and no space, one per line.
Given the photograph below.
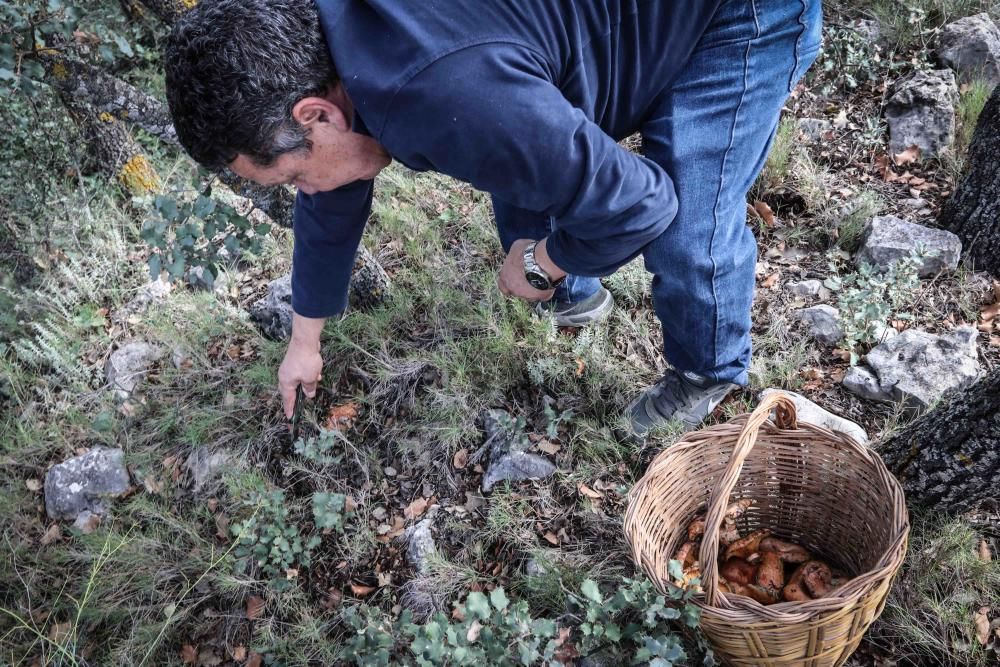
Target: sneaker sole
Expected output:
[592,316]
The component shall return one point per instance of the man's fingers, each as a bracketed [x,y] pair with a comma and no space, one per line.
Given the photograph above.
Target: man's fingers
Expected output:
[288,400]
[309,388]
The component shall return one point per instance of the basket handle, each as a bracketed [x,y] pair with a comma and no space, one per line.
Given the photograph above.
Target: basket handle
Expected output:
[719,500]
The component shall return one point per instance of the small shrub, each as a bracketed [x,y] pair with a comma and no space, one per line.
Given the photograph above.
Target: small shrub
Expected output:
[492,630]
[319,449]
[867,298]
[270,540]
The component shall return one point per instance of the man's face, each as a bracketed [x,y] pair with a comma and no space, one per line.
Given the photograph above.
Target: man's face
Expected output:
[338,155]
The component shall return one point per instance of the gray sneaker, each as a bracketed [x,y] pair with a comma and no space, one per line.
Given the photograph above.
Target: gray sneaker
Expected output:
[592,309]
[686,397]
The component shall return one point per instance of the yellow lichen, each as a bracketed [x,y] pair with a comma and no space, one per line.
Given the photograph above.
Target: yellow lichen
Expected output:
[123,114]
[106,117]
[59,70]
[188,4]
[138,176]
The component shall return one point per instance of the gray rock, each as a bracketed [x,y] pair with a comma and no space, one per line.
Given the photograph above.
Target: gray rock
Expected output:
[197,277]
[128,365]
[517,466]
[914,203]
[888,239]
[808,411]
[922,112]
[533,568]
[822,321]
[606,657]
[153,292]
[971,47]
[204,466]
[805,288]
[813,129]
[86,521]
[420,545]
[273,313]
[861,381]
[84,483]
[916,368]
[883,333]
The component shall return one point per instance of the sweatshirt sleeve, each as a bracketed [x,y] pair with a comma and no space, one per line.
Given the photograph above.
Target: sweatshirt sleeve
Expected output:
[489,115]
[328,228]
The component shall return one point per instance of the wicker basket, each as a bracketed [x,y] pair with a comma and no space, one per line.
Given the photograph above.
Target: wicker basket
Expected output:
[809,485]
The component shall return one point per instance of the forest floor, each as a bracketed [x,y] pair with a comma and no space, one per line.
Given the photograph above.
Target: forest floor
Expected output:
[405,389]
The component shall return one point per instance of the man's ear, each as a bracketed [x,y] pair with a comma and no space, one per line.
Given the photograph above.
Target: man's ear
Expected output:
[310,111]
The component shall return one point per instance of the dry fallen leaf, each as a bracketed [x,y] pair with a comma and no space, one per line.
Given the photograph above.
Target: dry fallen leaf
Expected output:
[461,459]
[771,280]
[60,632]
[239,653]
[589,492]
[360,590]
[548,447]
[189,655]
[350,504]
[254,660]
[580,366]
[341,416]
[255,605]
[415,509]
[551,538]
[983,625]
[473,632]
[33,484]
[53,534]
[985,554]
[765,212]
[911,154]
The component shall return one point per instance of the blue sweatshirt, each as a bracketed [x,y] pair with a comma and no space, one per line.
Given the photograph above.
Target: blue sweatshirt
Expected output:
[524,99]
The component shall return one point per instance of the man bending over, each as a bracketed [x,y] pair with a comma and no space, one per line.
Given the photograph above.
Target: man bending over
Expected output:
[527,101]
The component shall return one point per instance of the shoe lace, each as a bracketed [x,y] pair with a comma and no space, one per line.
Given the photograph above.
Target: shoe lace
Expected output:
[673,394]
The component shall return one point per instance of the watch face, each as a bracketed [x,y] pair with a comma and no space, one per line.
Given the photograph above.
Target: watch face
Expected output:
[537,280]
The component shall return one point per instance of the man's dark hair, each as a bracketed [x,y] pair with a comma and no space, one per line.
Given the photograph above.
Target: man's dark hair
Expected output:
[234,70]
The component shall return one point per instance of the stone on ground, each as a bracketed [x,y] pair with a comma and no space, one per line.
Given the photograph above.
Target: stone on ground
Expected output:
[805,288]
[273,313]
[813,129]
[971,47]
[204,465]
[420,545]
[507,463]
[921,112]
[128,365]
[916,368]
[888,239]
[153,292]
[85,483]
[811,413]
[822,321]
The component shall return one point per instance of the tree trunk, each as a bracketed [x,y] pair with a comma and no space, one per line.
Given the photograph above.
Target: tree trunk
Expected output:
[973,212]
[949,458]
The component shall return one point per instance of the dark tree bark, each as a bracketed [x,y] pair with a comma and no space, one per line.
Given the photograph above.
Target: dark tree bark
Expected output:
[973,212]
[949,458]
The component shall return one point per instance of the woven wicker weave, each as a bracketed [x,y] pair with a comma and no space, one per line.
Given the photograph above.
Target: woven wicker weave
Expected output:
[809,485]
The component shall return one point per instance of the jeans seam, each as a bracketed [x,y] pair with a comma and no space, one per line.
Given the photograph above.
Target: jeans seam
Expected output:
[798,45]
[722,181]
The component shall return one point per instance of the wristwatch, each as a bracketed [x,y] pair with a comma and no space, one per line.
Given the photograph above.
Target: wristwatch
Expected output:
[535,274]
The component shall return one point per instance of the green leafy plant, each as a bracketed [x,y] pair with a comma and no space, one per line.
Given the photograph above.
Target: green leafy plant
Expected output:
[868,297]
[271,540]
[320,448]
[491,629]
[329,510]
[188,234]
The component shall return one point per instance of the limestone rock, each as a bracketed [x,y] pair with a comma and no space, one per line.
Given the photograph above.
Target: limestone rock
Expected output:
[888,239]
[506,462]
[84,483]
[204,466]
[153,292]
[971,47]
[813,129]
[517,466]
[128,365]
[822,321]
[805,288]
[808,411]
[916,368]
[420,545]
[273,313]
[922,112]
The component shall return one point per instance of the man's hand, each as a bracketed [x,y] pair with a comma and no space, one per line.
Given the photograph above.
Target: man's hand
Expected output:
[512,280]
[303,363]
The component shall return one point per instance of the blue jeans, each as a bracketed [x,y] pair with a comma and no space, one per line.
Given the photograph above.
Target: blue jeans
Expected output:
[711,130]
